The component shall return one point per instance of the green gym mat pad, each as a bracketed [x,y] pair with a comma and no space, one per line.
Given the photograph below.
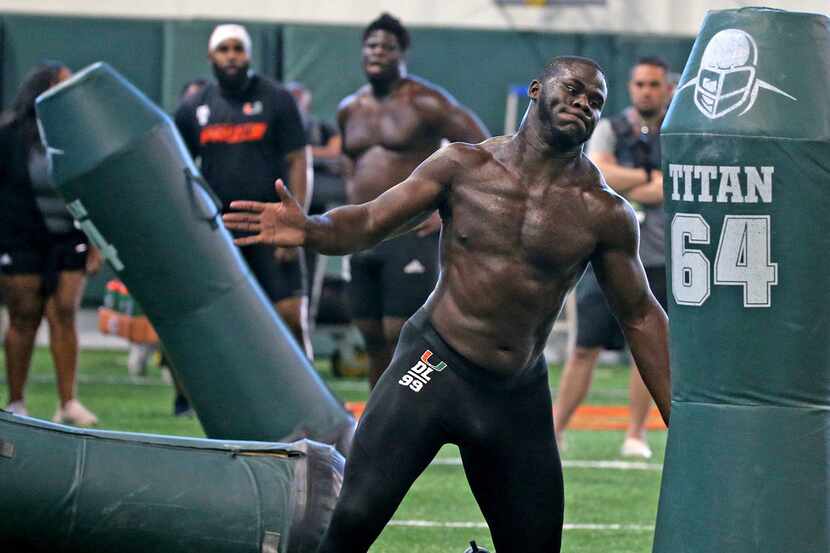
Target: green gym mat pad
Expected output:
[746,172]
[64,489]
[132,186]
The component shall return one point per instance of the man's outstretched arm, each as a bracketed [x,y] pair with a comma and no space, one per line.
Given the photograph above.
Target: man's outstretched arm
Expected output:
[644,323]
[351,227]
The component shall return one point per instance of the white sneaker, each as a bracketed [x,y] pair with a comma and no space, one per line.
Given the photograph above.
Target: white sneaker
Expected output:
[166,376]
[633,447]
[138,358]
[75,413]
[17,408]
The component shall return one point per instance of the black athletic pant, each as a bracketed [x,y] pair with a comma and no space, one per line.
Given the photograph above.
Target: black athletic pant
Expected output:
[504,429]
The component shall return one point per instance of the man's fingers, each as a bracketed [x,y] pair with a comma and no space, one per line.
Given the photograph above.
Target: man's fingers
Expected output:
[240,217]
[242,221]
[248,240]
[281,189]
[245,205]
[249,227]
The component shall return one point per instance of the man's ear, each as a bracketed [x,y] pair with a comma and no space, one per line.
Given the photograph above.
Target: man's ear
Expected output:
[534,89]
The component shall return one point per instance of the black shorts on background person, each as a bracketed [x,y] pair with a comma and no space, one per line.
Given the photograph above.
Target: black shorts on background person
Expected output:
[388,127]
[596,325]
[43,256]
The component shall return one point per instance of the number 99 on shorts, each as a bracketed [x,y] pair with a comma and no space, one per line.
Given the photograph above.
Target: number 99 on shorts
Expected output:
[742,259]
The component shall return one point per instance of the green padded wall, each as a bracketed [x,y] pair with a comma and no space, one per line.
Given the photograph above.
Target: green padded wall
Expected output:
[746,164]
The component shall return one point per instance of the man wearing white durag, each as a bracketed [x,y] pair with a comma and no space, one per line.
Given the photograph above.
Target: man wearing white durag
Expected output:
[246,130]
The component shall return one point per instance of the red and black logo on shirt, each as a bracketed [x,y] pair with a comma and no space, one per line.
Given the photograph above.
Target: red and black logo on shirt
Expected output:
[229,133]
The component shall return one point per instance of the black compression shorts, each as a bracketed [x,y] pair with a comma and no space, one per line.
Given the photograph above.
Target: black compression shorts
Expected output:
[47,260]
[596,326]
[430,396]
[394,278]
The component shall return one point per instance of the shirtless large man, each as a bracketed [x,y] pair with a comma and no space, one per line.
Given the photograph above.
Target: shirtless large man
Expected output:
[390,126]
[522,217]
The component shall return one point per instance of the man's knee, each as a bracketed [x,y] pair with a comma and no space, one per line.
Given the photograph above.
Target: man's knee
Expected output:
[25,322]
[62,313]
[25,307]
[25,316]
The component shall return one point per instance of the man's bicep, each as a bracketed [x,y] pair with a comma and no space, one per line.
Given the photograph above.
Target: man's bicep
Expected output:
[624,282]
[619,269]
[416,197]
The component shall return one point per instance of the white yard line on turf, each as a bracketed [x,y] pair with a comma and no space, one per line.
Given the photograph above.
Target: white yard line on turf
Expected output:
[615,465]
[567,526]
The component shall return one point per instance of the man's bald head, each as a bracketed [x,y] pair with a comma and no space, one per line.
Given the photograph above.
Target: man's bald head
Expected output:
[556,64]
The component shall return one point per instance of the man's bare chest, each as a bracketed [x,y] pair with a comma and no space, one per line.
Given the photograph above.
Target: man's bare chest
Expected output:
[544,229]
[393,127]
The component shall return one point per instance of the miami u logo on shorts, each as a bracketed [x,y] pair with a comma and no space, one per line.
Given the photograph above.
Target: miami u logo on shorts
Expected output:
[418,376]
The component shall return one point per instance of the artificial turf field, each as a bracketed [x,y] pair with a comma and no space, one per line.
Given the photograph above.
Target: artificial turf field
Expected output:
[609,507]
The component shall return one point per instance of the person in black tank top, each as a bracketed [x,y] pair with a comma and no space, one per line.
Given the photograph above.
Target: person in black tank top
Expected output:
[43,256]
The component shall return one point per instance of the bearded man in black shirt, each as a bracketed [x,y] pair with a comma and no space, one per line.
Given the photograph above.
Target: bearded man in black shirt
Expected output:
[246,132]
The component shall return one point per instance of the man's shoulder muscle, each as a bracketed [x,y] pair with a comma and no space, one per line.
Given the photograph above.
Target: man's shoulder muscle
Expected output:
[351,104]
[603,203]
[428,97]
[353,100]
[615,220]
[453,162]
[471,156]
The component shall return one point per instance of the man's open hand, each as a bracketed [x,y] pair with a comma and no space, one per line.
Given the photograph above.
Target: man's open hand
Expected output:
[277,224]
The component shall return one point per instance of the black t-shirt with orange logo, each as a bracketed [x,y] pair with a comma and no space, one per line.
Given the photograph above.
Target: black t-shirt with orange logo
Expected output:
[242,139]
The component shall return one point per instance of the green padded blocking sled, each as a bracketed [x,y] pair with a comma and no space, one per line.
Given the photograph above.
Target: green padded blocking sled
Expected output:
[746,168]
[129,181]
[66,489]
